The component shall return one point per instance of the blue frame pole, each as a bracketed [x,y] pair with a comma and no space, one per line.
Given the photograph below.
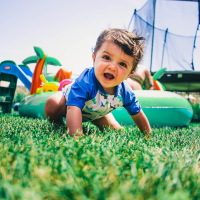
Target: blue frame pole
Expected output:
[164,47]
[154,9]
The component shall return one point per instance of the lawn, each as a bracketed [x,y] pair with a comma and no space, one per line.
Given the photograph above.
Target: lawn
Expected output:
[40,161]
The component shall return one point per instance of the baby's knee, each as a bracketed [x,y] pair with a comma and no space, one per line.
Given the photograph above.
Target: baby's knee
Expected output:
[51,104]
[55,106]
[49,107]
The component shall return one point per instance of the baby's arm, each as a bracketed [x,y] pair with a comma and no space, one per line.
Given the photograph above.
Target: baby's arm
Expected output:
[142,122]
[74,120]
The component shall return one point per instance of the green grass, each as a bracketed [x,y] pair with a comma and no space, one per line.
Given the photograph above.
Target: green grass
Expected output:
[40,161]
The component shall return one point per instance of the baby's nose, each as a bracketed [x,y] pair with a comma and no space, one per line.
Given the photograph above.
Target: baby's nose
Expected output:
[112,66]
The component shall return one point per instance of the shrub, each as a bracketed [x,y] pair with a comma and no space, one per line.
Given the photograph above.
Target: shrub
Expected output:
[18,97]
[196,111]
[20,93]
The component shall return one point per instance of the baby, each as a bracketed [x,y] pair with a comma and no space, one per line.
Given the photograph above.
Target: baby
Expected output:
[101,89]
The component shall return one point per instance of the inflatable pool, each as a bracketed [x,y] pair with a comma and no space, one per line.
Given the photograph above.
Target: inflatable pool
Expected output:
[162,108]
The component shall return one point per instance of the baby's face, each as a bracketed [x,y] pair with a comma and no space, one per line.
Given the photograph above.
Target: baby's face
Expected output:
[112,66]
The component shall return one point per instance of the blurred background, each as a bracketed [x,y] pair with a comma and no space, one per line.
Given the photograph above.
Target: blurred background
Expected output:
[66,30]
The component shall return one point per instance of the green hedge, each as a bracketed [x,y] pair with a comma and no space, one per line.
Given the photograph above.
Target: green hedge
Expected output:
[196,112]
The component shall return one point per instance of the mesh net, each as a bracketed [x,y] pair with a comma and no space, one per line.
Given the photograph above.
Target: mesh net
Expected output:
[175,34]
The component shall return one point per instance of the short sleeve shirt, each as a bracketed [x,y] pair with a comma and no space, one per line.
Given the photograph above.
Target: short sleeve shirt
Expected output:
[87,93]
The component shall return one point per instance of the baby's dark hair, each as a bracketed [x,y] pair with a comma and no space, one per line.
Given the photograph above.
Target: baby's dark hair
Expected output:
[130,42]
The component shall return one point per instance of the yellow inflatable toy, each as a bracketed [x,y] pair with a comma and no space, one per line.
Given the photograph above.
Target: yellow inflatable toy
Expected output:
[48,86]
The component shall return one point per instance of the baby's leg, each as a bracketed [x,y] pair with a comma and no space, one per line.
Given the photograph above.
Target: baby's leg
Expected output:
[55,108]
[106,121]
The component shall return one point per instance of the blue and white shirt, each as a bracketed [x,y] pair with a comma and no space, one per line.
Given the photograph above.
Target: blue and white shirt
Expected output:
[87,93]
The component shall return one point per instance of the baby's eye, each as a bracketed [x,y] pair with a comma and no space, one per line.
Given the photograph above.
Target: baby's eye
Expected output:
[123,64]
[106,57]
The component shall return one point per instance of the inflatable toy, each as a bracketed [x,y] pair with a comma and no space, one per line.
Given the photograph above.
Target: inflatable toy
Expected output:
[162,108]
[63,83]
[62,74]
[48,86]
[52,85]
[157,84]
[41,61]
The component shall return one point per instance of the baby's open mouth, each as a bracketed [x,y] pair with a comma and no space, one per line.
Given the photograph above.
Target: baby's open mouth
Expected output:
[108,76]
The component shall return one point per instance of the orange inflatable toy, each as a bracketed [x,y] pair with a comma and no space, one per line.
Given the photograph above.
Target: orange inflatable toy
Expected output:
[62,74]
[157,85]
[36,81]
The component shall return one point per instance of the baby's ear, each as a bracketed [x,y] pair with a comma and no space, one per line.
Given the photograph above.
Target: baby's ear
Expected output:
[93,58]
